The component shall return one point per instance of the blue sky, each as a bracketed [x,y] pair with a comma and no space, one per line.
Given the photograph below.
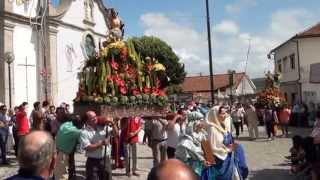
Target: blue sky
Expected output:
[181,23]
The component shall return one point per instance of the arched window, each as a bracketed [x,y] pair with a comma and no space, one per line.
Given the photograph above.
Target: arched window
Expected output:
[89,45]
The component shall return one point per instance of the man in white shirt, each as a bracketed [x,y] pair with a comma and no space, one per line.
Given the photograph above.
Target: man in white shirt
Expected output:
[94,138]
[175,128]
[157,137]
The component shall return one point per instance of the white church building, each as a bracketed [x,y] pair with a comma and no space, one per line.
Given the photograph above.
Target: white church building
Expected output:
[49,44]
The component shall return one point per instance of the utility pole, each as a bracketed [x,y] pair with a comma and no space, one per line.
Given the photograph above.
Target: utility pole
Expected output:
[210,52]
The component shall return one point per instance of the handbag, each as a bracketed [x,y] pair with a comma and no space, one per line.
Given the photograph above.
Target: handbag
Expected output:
[208,152]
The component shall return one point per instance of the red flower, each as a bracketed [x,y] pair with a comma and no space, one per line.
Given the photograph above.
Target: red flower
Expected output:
[135,91]
[114,64]
[123,90]
[158,92]
[131,73]
[157,82]
[147,90]
[161,93]
[118,81]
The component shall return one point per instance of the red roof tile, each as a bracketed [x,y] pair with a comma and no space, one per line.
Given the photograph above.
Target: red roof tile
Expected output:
[202,83]
[313,31]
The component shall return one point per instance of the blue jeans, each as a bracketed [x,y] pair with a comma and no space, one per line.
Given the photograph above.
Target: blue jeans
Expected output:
[3,148]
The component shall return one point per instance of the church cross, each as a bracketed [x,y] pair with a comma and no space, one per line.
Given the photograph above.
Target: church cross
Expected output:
[26,65]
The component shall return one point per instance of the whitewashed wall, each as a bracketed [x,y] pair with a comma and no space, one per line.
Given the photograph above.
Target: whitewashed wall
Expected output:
[245,87]
[24,46]
[309,54]
[76,14]
[287,73]
[67,80]
[27,9]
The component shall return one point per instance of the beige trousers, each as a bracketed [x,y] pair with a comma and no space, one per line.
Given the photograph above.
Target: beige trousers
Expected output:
[61,170]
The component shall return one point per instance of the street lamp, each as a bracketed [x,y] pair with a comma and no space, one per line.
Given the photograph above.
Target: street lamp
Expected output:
[9,58]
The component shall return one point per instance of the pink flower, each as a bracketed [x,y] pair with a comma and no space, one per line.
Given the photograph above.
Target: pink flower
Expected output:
[123,90]
[114,64]
[147,90]
[136,91]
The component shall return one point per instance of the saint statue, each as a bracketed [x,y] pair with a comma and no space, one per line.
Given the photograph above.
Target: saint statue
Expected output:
[116,25]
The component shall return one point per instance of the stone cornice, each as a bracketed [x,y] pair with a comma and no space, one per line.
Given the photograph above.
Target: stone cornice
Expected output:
[64,24]
[16,18]
[8,25]
[89,23]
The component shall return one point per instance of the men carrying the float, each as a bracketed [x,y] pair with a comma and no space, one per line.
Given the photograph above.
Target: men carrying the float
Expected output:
[155,129]
[94,138]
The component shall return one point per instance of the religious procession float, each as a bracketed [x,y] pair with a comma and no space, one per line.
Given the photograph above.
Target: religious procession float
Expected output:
[118,81]
[271,95]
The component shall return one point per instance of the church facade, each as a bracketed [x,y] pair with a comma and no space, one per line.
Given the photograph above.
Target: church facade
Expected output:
[50,45]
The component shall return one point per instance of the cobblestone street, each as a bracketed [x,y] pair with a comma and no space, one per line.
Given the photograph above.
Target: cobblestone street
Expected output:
[266,159]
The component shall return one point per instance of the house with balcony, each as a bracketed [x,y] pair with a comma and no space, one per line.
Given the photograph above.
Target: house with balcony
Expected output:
[298,62]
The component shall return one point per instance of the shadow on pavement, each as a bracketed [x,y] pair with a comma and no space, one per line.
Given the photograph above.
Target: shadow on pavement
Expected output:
[270,174]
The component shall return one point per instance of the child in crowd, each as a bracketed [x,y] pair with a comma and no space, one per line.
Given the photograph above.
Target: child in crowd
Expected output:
[297,154]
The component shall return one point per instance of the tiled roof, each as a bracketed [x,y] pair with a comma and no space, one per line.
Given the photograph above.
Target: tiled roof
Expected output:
[202,83]
[314,31]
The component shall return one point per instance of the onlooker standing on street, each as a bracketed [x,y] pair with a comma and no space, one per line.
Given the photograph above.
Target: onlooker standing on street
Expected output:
[93,139]
[36,108]
[61,117]
[157,139]
[134,126]
[241,113]
[270,118]
[23,126]
[284,118]
[4,129]
[295,115]
[38,120]
[36,157]
[236,119]
[45,107]
[50,117]
[66,141]
[252,120]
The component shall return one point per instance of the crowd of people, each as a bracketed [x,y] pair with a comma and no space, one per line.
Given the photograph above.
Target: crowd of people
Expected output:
[202,138]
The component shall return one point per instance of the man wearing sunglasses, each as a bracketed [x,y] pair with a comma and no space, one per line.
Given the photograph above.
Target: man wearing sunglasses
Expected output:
[4,122]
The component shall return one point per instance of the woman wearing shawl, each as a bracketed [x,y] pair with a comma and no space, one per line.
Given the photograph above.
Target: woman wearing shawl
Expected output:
[190,152]
[230,158]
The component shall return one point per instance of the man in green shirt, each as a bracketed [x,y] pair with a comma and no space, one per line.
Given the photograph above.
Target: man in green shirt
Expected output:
[66,141]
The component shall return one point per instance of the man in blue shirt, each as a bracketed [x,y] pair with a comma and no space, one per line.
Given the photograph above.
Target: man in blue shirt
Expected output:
[4,121]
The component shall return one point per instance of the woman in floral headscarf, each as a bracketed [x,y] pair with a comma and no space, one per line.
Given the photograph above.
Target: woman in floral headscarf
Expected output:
[230,158]
[190,152]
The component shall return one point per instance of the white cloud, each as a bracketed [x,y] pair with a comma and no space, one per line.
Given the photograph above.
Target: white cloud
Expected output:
[240,5]
[229,48]
[227,27]
[286,23]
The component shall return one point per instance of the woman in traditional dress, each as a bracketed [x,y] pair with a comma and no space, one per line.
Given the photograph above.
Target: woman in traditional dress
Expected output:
[230,158]
[190,152]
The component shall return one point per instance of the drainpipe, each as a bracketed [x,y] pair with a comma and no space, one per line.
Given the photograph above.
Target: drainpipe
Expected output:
[299,73]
